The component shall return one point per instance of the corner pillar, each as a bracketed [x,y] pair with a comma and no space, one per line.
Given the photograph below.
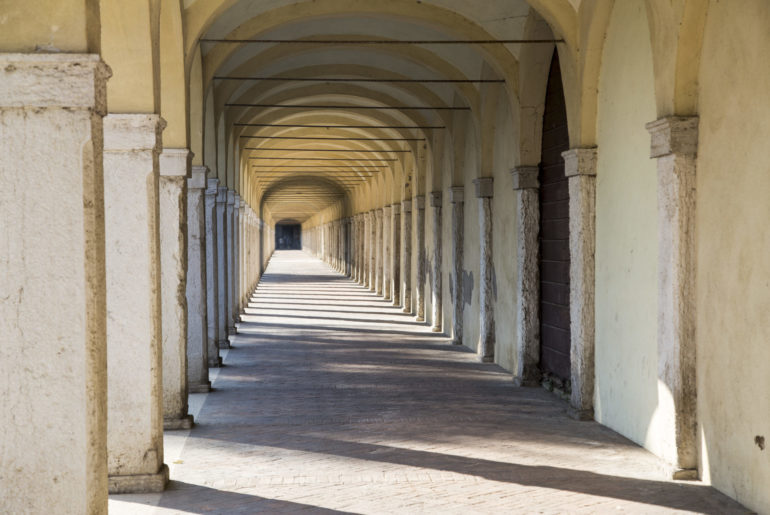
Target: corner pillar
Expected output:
[134,334]
[580,170]
[675,146]
[197,335]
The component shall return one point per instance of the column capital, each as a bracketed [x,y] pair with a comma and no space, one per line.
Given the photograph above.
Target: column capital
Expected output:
[236,201]
[230,197]
[131,132]
[406,205]
[212,185]
[197,178]
[484,187]
[419,201]
[525,177]
[378,212]
[456,194]
[396,208]
[673,135]
[242,204]
[386,210]
[579,161]
[174,162]
[436,197]
[222,195]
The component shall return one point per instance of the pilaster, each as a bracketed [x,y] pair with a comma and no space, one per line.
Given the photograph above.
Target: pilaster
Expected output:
[456,197]
[486,346]
[674,143]
[230,248]
[54,369]
[386,249]
[378,250]
[419,205]
[580,170]
[395,253]
[222,266]
[195,293]
[436,198]
[133,264]
[527,186]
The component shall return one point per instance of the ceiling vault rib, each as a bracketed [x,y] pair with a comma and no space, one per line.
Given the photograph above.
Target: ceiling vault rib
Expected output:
[321,138]
[339,126]
[384,41]
[382,108]
[328,150]
[369,80]
[320,159]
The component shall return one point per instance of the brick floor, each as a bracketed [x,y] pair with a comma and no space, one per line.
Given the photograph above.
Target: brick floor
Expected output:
[332,401]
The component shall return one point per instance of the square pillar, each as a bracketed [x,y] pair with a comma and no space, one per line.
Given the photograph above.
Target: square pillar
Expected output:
[456,197]
[134,324]
[222,265]
[230,242]
[406,263]
[175,164]
[378,251]
[386,249]
[527,188]
[54,369]
[580,170]
[419,204]
[212,273]
[436,199]
[195,293]
[486,345]
[395,253]
[675,145]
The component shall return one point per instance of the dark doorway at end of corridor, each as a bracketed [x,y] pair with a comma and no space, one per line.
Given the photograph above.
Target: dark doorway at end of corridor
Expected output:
[288,237]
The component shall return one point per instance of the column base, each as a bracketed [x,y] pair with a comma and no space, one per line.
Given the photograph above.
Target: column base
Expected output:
[232,330]
[487,359]
[420,319]
[436,329]
[139,483]
[223,344]
[456,342]
[526,383]
[684,474]
[407,311]
[199,387]
[186,422]
[215,363]
[583,415]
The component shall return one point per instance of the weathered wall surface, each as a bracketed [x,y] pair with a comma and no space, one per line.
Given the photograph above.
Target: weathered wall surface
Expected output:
[626,393]
[733,245]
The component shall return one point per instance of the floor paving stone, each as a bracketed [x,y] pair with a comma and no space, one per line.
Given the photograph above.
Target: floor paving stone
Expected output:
[333,401]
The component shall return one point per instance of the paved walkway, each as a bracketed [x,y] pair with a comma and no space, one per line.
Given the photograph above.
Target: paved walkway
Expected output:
[332,401]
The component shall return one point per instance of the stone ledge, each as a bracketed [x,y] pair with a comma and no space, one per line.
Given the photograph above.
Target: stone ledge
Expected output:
[139,483]
[484,187]
[197,178]
[419,201]
[175,162]
[133,132]
[34,81]
[579,161]
[436,198]
[673,135]
[456,194]
[406,205]
[525,177]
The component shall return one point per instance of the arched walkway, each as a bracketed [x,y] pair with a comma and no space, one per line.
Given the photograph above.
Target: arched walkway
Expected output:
[331,400]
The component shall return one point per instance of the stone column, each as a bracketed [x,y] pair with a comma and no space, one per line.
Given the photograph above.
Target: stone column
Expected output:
[133,262]
[395,254]
[675,146]
[580,169]
[456,197]
[233,315]
[212,273]
[242,255]
[419,203]
[386,248]
[362,247]
[526,185]
[378,251]
[222,264]
[229,257]
[53,359]
[174,165]
[486,345]
[406,244]
[372,239]
[197,335]
[436,198]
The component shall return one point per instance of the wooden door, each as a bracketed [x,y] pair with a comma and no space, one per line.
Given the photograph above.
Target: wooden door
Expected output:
[554,233]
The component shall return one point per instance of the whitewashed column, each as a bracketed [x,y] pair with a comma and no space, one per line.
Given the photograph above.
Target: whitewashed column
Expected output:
[222,265]
[212,273]
[134,356]
[486,345]
[174,166]
[527,188]
[675,146]
[456,197]
[395,254]
[580,169]
[406,264]
[197,335]
[436,198]
[419,204]
[53,359]
[386,249]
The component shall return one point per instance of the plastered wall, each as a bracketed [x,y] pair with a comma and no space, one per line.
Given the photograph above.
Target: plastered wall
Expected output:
[626,388]
[733,245]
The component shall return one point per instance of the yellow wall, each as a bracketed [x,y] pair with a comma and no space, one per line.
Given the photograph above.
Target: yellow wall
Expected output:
[626,396]
[733,256]
[42,25]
